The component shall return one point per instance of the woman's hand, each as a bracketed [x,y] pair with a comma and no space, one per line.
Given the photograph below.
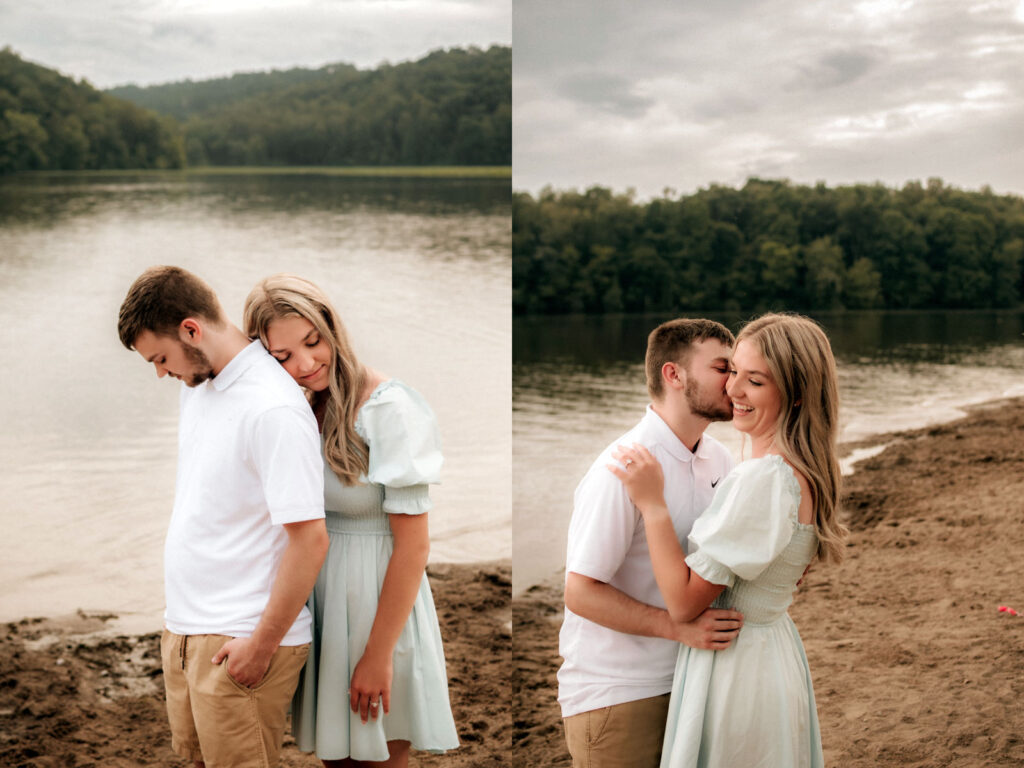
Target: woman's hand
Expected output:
[641,474]
[370,687]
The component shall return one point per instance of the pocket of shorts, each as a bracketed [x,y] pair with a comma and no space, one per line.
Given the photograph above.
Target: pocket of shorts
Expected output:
[598,722]
[275,662]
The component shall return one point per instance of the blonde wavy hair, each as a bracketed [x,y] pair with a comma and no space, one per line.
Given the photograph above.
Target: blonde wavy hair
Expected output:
[800,361]
[280,296]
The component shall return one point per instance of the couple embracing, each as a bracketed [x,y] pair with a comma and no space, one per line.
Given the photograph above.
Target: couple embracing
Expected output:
[270,602]
[691,660]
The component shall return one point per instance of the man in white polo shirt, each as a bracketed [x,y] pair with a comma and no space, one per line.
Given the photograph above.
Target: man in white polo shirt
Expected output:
[618,642]
[246,538]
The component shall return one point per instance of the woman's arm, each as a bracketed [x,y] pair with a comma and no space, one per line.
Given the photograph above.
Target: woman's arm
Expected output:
[371,678]
[686,594]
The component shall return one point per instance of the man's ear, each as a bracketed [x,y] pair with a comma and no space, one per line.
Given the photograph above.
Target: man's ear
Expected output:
[674,376]
[190,331]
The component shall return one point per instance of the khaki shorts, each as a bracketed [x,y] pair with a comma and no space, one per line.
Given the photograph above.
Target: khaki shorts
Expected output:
[218,721]
[625,735]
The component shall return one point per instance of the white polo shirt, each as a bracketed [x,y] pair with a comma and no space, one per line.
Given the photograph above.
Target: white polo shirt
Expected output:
[608,542]
[248,462]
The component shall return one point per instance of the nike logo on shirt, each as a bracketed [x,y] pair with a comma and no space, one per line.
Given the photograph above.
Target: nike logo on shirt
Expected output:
[714,482]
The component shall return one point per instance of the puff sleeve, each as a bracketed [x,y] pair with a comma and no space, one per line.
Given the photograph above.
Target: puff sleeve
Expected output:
[400,431]
[749,522]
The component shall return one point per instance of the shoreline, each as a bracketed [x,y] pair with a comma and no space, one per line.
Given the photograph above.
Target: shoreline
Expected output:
[74,691]
[850,454]
[913,664]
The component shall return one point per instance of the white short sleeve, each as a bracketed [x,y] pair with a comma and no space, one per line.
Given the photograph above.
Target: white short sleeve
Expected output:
[286,450]
[400,430]
[603,524]
[749,522]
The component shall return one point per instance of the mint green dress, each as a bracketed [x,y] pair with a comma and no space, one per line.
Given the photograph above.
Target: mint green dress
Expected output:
[400,430]
[751,705]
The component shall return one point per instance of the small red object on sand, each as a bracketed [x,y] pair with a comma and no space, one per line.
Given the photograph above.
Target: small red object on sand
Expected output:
[1007,609]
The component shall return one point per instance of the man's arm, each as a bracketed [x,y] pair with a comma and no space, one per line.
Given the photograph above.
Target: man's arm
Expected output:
[603,604]
[249,657]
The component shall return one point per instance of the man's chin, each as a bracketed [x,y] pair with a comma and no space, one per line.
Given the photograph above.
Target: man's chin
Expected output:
[199,378]
[712,414]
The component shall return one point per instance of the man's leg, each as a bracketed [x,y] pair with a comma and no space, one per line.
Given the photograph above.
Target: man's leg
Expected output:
[184,739]
[237,726]
[621,736]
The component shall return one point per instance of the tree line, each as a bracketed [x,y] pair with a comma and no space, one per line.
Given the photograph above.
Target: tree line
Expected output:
[769,244]
[451,107]
[50,122]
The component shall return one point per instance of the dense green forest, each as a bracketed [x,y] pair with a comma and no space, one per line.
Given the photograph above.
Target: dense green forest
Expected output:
[50,122]
[451,107]
[768,245]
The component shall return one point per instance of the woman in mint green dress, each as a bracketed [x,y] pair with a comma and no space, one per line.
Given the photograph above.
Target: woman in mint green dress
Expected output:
[753,703]
[375,684]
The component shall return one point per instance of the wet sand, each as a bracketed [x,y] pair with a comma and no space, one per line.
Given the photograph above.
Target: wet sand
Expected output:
[913,664]
[73,694]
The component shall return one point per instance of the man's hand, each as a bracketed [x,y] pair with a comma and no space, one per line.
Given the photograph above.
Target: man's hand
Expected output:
[247,661]
[715,629]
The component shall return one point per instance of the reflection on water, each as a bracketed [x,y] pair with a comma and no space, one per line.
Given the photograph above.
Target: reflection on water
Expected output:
[578,383]
[419,271]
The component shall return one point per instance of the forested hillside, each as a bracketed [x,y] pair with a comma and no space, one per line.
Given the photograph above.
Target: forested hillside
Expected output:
[449,108]
[769,244]
[49,122]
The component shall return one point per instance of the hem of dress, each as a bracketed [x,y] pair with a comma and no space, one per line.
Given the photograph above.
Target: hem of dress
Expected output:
[412,746]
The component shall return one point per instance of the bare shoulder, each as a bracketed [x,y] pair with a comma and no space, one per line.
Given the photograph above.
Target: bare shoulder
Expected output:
[373,380]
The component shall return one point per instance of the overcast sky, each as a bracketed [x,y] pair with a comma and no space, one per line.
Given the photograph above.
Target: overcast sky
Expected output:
[114,42]
[683,94]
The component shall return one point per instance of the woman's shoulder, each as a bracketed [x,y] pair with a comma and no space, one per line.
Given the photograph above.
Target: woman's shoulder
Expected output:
[401,433]
[394,410]
[770,469]
[394,397]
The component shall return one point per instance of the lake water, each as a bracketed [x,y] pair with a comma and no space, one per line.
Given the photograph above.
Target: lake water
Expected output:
[578,383]
[419,270]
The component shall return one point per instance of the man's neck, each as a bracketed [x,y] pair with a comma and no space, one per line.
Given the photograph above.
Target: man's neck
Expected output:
[223,345]
[684,425]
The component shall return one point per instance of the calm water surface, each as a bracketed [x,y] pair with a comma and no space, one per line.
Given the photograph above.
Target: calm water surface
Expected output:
[419,270]
[578,383]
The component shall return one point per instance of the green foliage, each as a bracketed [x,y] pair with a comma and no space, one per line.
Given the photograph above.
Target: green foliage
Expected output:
[449,108]
[767,245]
[50,122]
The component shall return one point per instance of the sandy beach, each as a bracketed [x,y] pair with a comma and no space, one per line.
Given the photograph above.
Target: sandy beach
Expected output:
[913,664]
[73,694]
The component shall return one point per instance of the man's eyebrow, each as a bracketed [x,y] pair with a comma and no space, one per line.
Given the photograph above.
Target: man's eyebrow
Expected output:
[153,357]
[720,361]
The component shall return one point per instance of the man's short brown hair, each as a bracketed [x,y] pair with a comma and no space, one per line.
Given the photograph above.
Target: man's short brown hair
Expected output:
[672,342]
[160,298]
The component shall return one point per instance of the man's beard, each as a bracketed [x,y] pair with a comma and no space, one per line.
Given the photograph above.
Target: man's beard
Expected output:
[202,370]
[713,411]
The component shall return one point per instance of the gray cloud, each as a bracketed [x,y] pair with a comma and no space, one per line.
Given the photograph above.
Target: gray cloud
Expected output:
[837,69]
[885,90]
[608,92]
[113,42]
